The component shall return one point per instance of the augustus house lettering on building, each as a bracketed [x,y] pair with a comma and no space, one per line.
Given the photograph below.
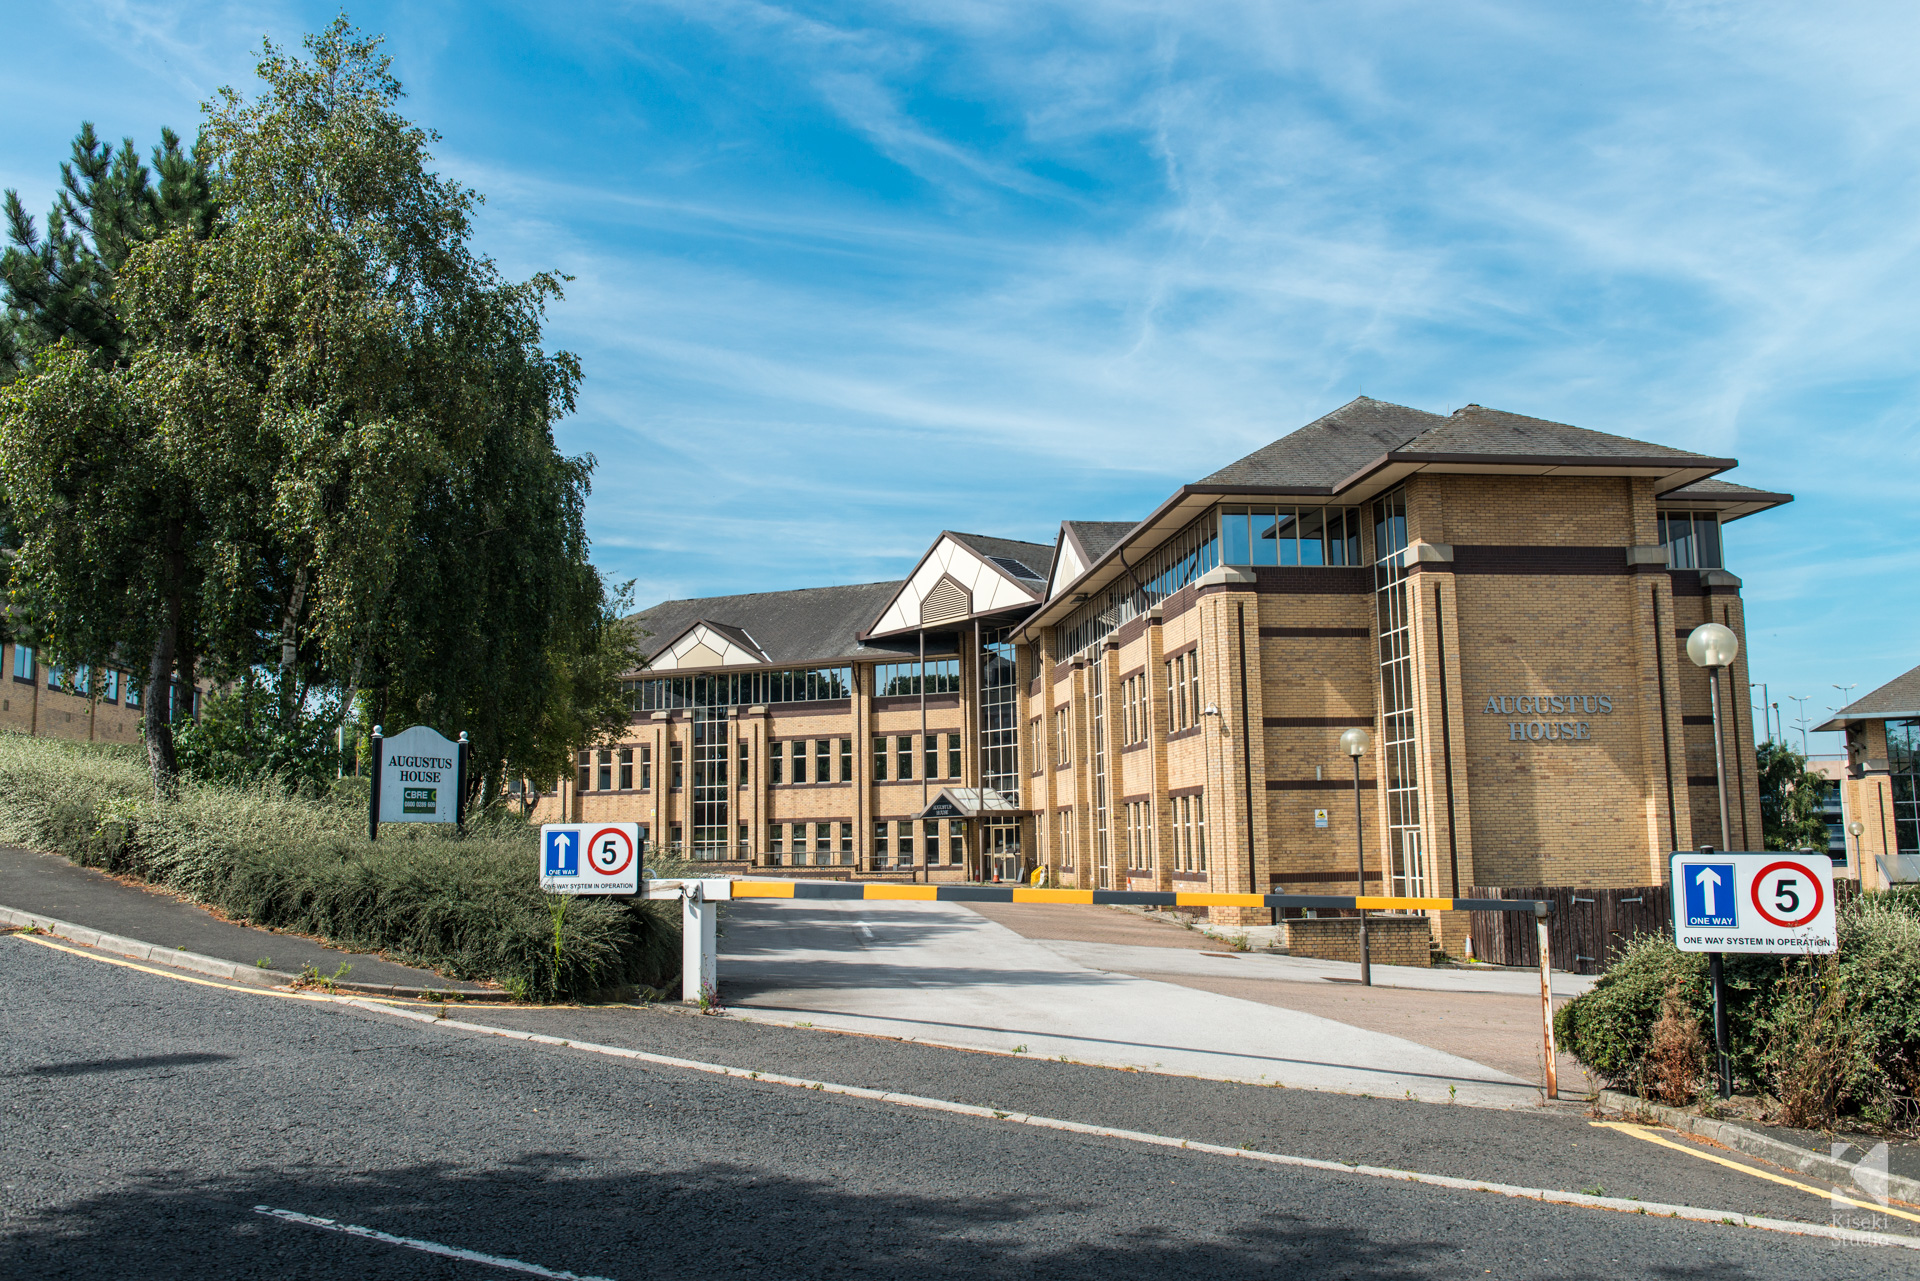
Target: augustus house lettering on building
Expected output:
[1548,705]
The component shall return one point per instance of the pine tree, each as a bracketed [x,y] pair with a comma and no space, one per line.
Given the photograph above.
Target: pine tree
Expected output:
[62,285]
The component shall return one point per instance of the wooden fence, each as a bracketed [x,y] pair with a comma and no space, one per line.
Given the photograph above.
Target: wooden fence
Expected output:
[1587,928]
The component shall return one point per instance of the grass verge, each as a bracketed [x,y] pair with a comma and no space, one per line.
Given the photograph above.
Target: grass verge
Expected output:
[471,908]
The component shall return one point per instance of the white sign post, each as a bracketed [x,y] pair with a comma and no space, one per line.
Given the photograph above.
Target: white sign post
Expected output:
[419,776]
[591,858]
[1738,901]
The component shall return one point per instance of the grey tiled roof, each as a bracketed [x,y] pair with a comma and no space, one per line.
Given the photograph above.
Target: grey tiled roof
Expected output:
[1330,449]
[1034,556]
[1096,536]
[813,625]
[1901,695]
[1712,487]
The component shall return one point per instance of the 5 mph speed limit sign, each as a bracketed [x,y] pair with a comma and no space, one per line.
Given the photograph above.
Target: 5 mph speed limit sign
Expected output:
[591,858]
[1725,901]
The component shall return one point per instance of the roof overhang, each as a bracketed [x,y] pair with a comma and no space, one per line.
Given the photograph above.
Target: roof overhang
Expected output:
[1838,723]
[1395,466]
[1731,505]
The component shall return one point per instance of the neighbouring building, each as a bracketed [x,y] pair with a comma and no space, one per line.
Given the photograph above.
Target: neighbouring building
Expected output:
[90,705]
[1502,601]
[1881,787]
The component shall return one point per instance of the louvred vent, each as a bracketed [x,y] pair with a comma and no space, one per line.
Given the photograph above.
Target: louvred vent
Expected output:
[948,600]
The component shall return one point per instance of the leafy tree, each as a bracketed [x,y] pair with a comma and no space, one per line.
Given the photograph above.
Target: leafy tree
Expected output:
[329,454]
[1791,796]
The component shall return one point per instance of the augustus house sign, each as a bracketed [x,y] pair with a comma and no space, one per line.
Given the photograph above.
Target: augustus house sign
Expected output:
[1542,705]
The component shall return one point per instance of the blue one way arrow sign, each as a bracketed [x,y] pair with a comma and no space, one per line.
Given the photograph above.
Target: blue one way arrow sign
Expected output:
[563,853]
[1711,894]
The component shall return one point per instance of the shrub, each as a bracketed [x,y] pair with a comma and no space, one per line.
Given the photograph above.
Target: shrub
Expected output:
[471,908]
[1826,1037]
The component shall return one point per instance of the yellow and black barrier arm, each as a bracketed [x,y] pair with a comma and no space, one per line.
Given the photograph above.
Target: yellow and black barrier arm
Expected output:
[882,890]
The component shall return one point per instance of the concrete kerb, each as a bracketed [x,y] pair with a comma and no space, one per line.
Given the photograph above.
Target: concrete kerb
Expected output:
[1741,1139]
[211,966]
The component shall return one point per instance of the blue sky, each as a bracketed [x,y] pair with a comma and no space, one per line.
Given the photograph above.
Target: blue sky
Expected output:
[849,274]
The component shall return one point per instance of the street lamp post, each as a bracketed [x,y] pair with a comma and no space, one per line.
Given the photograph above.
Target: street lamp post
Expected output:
[1715,647]
[1802,722]
[1856,829]
[1354,743]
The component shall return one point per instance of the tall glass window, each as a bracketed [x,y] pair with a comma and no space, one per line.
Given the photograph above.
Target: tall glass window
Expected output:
[942,676]
[1097,723]
[740,689]
[1903,771]
[999,714]
[1400,745]
[23,662]
[1289,535]
[712,746]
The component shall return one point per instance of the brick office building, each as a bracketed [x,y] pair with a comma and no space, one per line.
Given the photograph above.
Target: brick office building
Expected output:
[1880,782]
[1502,601]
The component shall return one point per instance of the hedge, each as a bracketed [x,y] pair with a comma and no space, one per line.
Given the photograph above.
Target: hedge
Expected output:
[469,907]
[1821,1039]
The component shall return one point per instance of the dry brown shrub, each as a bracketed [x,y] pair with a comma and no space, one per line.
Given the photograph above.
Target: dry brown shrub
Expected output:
[1815,1049]
[1676,1053]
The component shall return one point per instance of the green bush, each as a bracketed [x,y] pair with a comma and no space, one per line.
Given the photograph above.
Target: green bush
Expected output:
[1826,1037]
[471,908]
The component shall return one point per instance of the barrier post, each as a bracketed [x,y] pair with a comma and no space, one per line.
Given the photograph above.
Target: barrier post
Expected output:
[699,945]
[1546,997]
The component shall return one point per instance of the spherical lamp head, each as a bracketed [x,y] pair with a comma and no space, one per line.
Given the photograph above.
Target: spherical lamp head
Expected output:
[1355,742]
[1711,645]
[1856,827]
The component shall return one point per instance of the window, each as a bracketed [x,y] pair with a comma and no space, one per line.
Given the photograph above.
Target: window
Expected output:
[1062,735]
[1139,836]
[56,679]
[646,766]
[673,837]
[930,756]
[799,761]
[1692,539]
[903,853]
[880,844]
[775,842]
[893,679]
[903,756]
[1183,691]
[82,679]
[776,762]
[1038,740]
[1174,564]
[1407,864]
[626,769]
[744,775]
[23,662]
[999,714]
[1066,838]
[676,751]
[822,843]
[953,756]
[740,689]
[879,760]
[932,834]
[822,760]
[110,685]
[133,689]
[956,841]
[744,840]
[846,763]
[1289,535]
[846,840]
[584,765]
[1903,775]
[606,772]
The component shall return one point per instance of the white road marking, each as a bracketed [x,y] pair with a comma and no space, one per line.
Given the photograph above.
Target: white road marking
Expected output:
[411,1243]
[1551,1196]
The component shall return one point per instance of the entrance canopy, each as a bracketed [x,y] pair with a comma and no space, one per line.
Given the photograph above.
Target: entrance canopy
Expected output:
[971,802]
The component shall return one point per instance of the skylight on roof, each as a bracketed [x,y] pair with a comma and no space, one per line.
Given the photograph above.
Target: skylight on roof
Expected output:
[1015,568]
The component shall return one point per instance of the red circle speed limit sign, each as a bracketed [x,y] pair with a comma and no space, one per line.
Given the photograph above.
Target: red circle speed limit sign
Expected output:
[1787,893]
[610,851]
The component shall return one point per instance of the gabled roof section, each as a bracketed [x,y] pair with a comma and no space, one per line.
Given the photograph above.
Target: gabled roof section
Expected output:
[963,576]
[812,626]
[1899,697]
[1080,544]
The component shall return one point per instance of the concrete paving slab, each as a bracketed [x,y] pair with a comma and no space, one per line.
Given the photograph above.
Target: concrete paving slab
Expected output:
[939,972]
[48,885]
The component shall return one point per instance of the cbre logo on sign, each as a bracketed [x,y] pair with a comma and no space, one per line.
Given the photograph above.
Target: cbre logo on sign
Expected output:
[1710,895]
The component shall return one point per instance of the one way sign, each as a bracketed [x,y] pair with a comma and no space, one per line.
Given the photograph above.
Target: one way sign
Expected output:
[591,858]
[1738,901]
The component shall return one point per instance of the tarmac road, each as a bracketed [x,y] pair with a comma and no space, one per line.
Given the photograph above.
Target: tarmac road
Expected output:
[145,1117]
